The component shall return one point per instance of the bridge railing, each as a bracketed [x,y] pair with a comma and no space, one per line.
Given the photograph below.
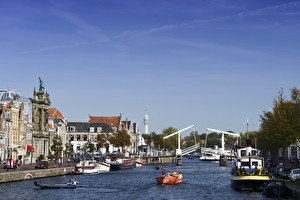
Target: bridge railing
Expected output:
[190,149]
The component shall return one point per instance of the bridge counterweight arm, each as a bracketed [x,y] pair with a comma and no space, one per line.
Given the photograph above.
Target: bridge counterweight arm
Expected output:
[178,132]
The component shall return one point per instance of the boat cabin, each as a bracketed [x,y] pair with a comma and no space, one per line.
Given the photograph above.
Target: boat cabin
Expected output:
[248,162]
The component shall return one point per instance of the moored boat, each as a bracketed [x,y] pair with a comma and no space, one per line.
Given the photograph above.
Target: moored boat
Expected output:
[276,188]
[103,167]
[139,163]
[167,178]
[209,156]
[54,186]
[223,160]
[122,163]
[91,167]
[248,170]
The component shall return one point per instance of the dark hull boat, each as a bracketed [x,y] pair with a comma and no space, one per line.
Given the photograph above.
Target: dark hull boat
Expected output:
[223,160]
[275,188]
[54,186]
[121,164]
[248,170]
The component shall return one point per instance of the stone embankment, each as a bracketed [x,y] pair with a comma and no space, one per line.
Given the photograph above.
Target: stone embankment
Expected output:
[293,188]
[26,173]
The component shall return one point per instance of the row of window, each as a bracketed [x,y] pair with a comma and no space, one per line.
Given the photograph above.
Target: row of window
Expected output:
[92,129]
[81,137]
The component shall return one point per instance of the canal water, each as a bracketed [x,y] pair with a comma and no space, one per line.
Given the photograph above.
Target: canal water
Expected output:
[202,180]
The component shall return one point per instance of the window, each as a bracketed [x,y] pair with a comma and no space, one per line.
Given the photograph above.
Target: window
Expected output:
[92,129]
[85,138]
[71,138]
[72,128]
[77,137]
[253,152]
[99,129]
[92,138]
[243,152]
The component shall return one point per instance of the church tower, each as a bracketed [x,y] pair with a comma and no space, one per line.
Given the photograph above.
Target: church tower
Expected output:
[40,104]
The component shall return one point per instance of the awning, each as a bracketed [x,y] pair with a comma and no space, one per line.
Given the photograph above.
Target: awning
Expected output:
[29,148]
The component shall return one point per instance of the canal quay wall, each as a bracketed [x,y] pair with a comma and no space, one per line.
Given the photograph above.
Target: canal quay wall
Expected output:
[158,160]
[294,189]
[33,174]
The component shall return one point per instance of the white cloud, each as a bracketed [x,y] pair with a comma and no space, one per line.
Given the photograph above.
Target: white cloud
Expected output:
[83,27]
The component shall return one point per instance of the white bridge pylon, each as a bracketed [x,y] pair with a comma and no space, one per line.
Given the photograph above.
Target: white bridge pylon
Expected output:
[178,150]
[222,132]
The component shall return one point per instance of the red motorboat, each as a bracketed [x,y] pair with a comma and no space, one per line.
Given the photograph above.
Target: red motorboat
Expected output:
[174,178]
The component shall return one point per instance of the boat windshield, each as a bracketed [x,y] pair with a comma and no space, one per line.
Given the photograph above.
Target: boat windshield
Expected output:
[244,164]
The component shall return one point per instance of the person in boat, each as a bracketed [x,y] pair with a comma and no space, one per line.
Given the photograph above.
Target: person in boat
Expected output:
[166,172]
[72,181]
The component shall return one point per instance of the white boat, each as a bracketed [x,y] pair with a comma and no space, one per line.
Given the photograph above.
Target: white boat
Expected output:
[139,163]
[209,156]
[91,167]
[104,167]
[248,170]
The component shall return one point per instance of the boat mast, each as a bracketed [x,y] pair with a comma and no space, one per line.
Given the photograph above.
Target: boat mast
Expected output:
[247,130]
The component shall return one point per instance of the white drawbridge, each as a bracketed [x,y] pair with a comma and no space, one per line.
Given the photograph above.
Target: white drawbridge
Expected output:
[222,132]
[178,150]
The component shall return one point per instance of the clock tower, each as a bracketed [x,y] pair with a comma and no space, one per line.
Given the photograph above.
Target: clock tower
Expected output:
[40,105]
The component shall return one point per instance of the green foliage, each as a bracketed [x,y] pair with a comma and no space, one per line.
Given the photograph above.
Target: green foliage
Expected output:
[215,139]
[253,136]
[89,147]
[191,139]
[56,147]
[102,140]
[120,139]
[69,149]
[154,139]
[172,142]
[281,126]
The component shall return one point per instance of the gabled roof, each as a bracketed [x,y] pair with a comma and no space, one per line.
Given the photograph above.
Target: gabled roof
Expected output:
[113,121]
[55,113]
[54,117]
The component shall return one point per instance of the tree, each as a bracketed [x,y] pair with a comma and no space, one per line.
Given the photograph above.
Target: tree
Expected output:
[281,126]
[170,143]
[57,147]
[69,149]
[190,139]
[154,139]
[120,139]
[89,146]
[102,140]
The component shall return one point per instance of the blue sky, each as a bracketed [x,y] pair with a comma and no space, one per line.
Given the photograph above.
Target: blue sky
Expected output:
[211,63]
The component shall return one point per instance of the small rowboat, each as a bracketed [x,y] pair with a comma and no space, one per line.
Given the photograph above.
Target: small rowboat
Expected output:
[54,186]
[174,178]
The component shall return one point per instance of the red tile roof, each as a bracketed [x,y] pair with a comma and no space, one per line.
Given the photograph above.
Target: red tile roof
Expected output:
[113,121]
[55,113]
